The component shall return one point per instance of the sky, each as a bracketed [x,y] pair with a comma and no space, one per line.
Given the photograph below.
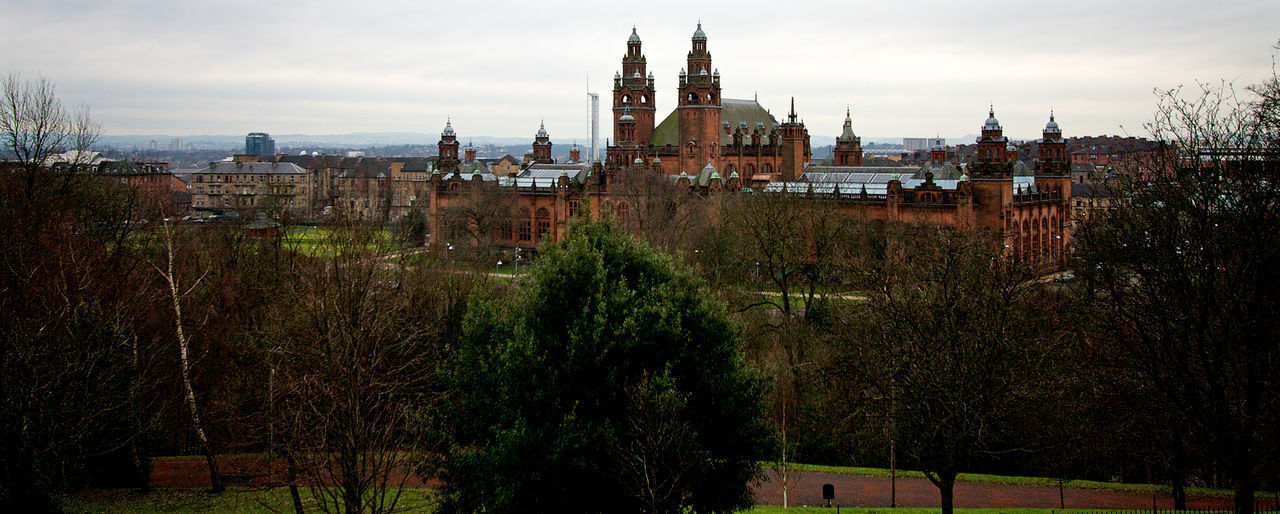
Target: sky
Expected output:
[496,68]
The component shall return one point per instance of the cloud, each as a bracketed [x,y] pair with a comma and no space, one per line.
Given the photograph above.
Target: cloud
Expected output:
[496,68]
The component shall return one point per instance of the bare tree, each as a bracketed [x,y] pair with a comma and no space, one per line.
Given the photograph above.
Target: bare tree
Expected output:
[71,302]
[1184,262]
[355,344]
[474,221]
[659,211]
[952,350]
[176,295]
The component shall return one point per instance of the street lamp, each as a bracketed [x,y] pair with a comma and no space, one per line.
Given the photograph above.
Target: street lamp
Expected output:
[496,267]
[516,272]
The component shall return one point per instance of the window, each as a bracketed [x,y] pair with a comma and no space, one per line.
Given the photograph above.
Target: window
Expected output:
[574,207]
[692,98]
[621,210]
[506,230]
[544,222]
[526,227]
[526,233]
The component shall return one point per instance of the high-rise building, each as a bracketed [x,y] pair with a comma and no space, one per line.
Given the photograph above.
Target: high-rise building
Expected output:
[259,143]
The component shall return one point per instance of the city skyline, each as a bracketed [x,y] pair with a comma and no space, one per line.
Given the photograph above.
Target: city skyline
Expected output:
[499,68]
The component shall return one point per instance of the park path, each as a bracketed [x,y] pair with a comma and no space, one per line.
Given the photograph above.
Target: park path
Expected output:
[806,488]
[874,491]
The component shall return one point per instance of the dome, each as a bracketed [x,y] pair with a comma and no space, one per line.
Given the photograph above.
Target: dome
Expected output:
[992,123]
[448,128]
[542,129]
[1052,126]
[638,161]
[657,160]
[617,75]
[651,75]
[733,175]
[682,73]
[683,174]
[699,34]
[635,38]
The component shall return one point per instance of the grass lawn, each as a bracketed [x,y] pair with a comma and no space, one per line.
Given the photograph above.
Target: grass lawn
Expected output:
[235,499]
[315,241]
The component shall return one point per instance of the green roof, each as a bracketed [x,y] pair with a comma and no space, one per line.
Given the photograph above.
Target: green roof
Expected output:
[731,110]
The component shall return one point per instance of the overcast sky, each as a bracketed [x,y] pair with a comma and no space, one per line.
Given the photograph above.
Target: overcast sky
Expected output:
[906,68]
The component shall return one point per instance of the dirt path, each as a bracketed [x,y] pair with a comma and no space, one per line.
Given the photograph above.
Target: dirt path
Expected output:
[806,488]
[870,491]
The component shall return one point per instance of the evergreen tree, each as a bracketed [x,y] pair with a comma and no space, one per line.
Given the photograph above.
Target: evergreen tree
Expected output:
[610,383]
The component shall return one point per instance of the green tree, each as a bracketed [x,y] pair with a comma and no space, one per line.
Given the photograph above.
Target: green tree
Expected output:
[611,382]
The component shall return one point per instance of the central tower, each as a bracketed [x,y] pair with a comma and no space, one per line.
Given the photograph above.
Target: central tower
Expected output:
[699,108]
[633,97]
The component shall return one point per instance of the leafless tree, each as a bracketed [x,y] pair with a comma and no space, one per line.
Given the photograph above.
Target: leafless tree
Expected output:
[355,345]
[661,212]
[70,350]
[474,221]
[1184,263]
[952,351]
[177,293]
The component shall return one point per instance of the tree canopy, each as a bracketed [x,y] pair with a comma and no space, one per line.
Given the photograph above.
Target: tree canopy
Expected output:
[610,382]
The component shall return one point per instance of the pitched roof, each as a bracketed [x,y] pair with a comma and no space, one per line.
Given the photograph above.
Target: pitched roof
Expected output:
[731,111]
[253,167]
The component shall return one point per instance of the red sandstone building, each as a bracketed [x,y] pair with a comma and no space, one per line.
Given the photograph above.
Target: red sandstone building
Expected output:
[711,145]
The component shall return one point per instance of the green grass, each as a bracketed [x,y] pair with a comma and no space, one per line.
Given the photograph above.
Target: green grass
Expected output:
[234,499]
[323,241]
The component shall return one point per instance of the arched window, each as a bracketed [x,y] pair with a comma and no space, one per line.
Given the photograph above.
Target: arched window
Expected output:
[626,99]
[1044,236]
[751,169]
[711,98]
[644,99]
[526,227]
[768,168]
[692,98]
[544,222]
[622,210]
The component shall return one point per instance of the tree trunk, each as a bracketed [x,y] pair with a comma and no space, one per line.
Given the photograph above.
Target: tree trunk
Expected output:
[183,355]
[947,485]
[291,475]
[1179,469]
[1244,490]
